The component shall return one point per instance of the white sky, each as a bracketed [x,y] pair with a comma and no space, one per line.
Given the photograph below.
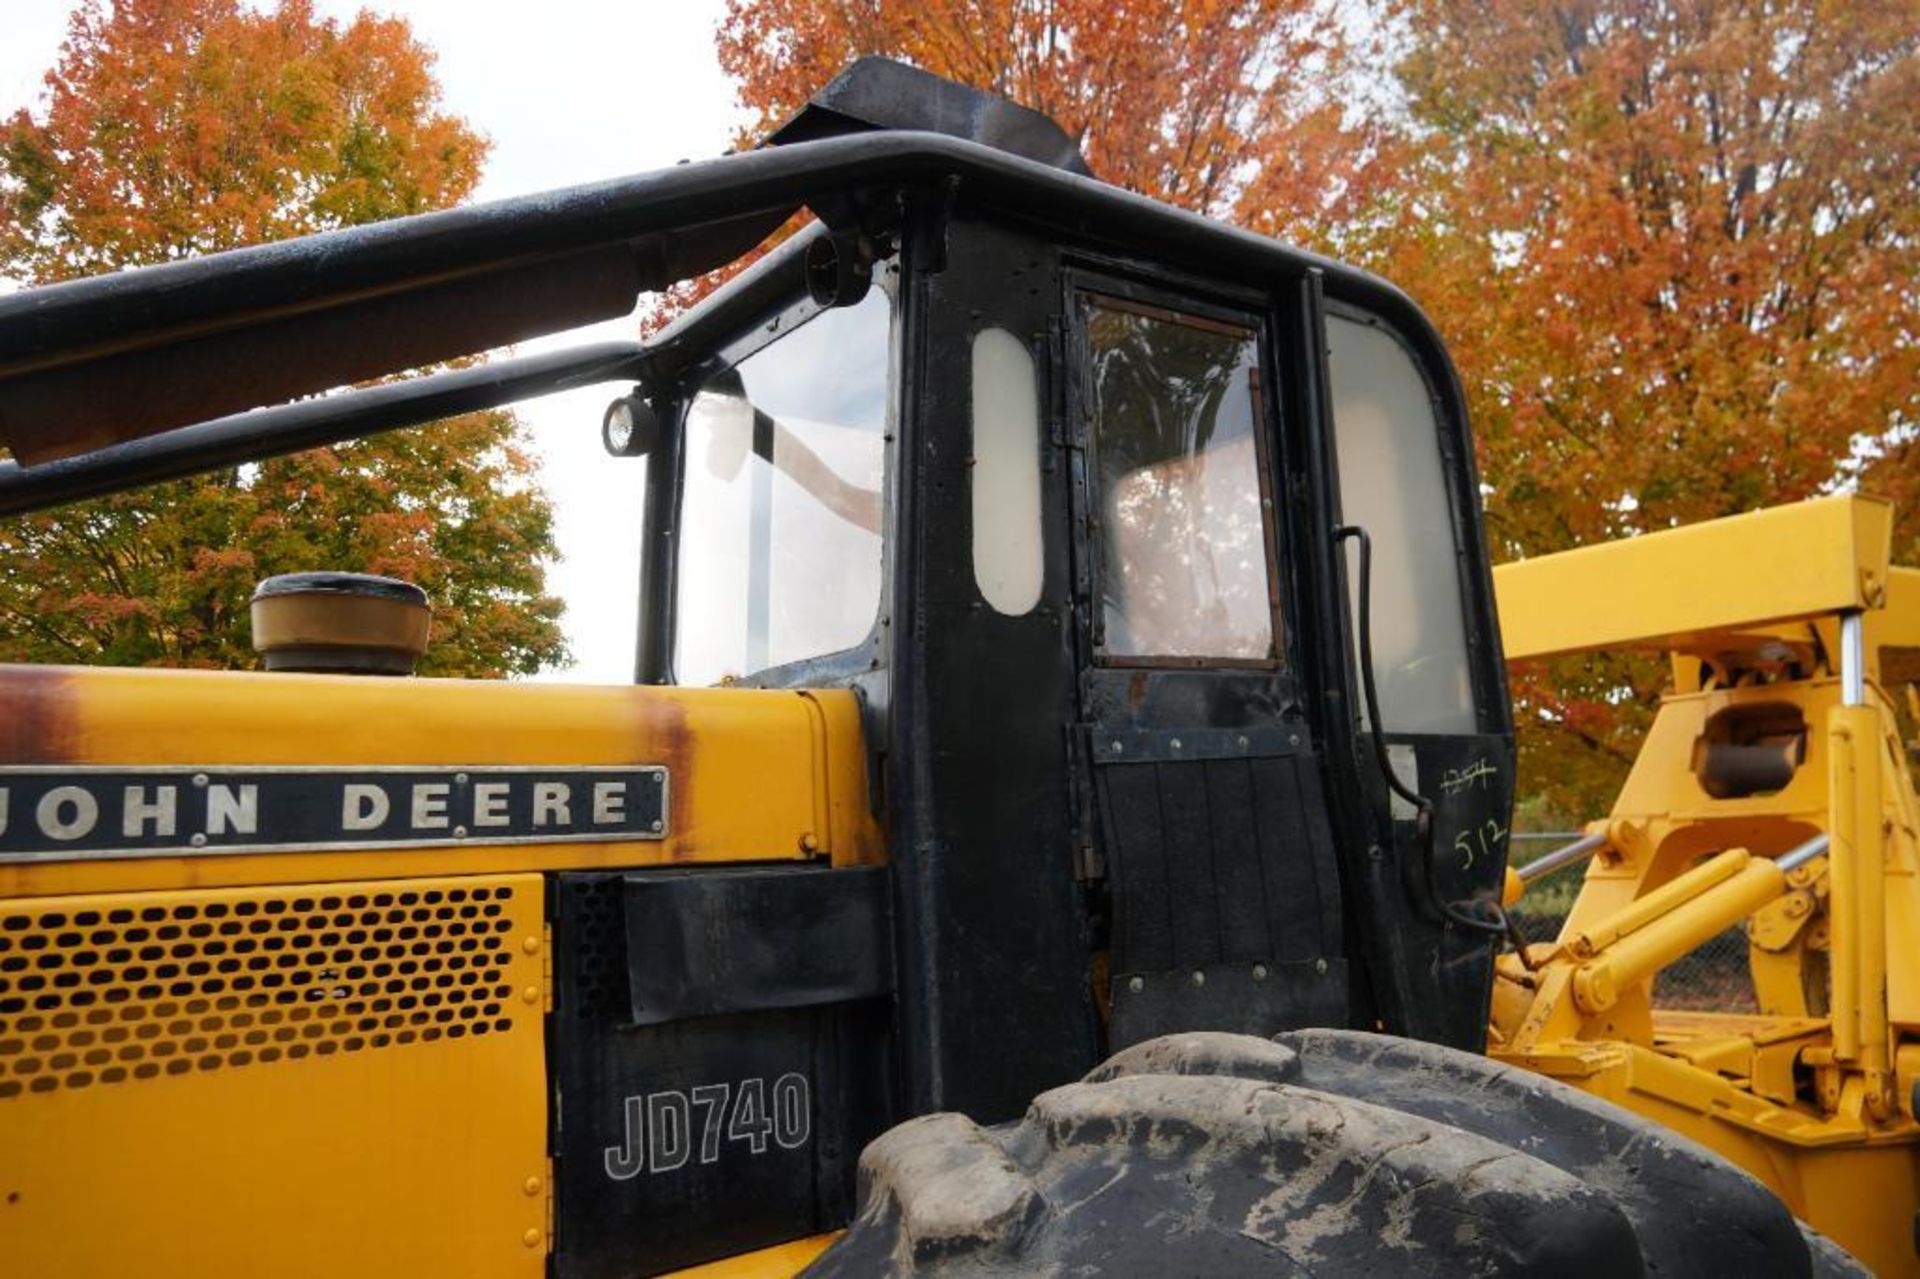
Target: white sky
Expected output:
[569,91]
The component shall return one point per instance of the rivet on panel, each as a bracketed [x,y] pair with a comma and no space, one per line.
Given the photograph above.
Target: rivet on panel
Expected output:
[199,779]
[531,995]
[1320,966]
[197,840]
[533,1185]
[1259,972]
[808,844]
[531,1238]
[1136,984]
[531,945]
[1199,978]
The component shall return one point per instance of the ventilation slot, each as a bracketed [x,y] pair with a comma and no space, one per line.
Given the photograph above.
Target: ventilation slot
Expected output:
[596,987]
[141,986]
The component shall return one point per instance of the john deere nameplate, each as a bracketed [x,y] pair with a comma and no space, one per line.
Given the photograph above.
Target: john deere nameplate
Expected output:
[64,811]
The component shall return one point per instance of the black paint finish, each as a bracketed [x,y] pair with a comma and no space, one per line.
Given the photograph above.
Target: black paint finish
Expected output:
[1245,998]
[1222,880]
[616,1215]
[748,940]
[996,999]
[1220,862]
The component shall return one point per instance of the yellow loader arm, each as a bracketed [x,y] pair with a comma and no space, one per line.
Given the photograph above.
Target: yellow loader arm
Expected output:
[1771,793]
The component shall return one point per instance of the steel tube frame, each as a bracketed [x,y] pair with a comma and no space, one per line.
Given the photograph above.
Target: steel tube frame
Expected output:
[275,432]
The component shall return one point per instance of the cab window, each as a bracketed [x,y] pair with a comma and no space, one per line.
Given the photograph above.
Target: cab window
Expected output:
[1392,484]
[1183,520]
[783,468]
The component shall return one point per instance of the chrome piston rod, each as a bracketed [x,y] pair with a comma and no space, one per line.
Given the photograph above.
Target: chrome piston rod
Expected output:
[1578,851]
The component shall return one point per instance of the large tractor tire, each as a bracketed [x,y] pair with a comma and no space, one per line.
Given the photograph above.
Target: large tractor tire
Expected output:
[1320,1152]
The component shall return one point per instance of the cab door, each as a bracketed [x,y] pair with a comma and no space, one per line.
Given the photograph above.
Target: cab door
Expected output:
[1431,752]
[1221,900]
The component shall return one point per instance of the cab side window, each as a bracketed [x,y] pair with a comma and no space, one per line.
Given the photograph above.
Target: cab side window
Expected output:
[1179,459]
[783,474]
[1391,484]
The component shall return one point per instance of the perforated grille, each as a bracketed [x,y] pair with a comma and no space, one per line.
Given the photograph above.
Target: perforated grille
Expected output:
[596,985]
[106,990]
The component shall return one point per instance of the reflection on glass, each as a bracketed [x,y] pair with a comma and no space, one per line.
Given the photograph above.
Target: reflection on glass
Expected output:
[1183,539]
[781,510]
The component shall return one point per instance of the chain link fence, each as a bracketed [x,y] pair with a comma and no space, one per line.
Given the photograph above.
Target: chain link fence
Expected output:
[1714,978]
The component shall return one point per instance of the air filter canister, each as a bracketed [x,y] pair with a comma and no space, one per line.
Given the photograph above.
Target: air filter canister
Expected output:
[340,623]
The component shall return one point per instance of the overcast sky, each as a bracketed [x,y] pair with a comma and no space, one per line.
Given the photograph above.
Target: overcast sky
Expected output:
[569,91]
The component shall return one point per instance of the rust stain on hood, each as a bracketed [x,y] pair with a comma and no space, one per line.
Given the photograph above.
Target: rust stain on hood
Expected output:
[39,716]
[665,738]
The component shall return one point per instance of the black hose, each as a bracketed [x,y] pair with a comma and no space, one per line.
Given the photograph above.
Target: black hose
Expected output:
[1498,924]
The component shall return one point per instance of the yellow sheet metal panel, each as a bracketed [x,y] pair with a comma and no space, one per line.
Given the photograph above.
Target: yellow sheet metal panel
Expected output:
[1861,1192]
[757,775]
[332,1079]
[1898,624]
[781,1261]
[1669,589]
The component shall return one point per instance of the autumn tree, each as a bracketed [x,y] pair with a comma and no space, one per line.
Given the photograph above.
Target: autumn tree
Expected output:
[1673,246]
[170,128]
[1233,108]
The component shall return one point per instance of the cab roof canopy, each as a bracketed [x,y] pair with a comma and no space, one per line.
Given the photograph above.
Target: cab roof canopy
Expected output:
[127,378]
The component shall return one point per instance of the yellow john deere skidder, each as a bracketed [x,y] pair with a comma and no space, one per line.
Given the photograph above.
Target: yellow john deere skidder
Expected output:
[1065,634]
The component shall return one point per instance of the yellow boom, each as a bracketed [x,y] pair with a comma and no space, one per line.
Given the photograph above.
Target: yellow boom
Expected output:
[1772,791]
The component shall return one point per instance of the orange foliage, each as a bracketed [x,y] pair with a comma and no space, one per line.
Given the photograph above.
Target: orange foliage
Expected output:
[1234,108]
[1229,107]
[1673,246]
[178,127]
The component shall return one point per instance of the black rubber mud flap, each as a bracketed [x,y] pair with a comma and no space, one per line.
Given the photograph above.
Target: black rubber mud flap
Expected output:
[1326,1152]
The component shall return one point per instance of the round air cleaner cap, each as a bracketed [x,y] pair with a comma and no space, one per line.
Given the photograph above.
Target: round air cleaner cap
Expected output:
[342,623]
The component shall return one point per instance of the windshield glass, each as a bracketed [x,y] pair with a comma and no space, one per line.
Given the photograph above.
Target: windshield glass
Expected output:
[781,507]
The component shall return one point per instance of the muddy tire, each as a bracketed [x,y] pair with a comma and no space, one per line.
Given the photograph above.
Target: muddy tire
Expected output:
[1327,1152]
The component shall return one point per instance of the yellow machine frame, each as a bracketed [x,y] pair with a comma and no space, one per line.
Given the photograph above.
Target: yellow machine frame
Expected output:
[1787,631]
[201,1041]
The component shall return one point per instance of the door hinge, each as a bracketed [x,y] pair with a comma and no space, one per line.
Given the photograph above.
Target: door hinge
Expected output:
[1065,431]
[1088,865]
[546,969]
[551,1199]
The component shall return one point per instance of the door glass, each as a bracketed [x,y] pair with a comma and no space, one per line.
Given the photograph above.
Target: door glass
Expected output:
[780,550]
[1182,521]
[1391,484]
